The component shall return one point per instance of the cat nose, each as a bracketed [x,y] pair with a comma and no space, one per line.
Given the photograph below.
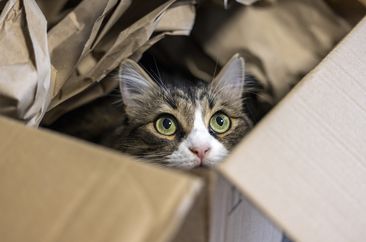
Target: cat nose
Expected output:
[200,152]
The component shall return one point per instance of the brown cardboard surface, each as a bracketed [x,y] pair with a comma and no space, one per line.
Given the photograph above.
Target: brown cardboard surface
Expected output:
[305,163]
[58,189]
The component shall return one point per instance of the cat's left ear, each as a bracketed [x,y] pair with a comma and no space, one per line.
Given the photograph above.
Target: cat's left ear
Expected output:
[230,80]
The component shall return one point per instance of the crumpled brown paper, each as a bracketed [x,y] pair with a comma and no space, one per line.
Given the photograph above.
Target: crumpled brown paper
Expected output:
[105,49]
[285,39]
[25,67]
[227,3]
[281,41]
[54,11]
[86,39]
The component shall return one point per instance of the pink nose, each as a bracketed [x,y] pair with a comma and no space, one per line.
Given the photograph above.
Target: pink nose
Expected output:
[200,152]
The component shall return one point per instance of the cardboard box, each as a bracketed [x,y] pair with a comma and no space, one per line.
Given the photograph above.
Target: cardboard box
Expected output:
[303,166]
[301,171]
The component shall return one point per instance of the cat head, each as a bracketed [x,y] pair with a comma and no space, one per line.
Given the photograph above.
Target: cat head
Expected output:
[182,123]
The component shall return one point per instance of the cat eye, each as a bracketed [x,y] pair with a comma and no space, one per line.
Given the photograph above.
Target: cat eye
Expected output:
[166,125]
[220,123]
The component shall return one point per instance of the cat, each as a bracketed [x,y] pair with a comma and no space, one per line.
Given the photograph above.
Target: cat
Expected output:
[179,122]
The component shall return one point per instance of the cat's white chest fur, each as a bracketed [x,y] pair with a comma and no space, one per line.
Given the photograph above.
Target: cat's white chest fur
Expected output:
[199,148]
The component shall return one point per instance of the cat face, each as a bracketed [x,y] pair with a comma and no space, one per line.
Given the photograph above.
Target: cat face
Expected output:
[181,123]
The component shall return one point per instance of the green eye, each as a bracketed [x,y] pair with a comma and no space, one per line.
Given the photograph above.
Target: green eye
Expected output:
[220,123]
[166,126]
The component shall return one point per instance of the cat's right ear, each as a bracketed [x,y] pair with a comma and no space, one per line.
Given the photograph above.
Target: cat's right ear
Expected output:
[135,85]
[229,83]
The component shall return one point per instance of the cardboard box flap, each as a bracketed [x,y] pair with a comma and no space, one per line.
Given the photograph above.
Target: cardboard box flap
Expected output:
[57,189]
[304,165]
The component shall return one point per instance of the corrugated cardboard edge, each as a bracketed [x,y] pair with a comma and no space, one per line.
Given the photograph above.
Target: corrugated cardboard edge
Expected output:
[181,213]
[196,225]
[17,153]
[328,224]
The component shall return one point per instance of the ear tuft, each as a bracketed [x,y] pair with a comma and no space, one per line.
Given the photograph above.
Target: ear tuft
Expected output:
[229,83]
[135,85]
